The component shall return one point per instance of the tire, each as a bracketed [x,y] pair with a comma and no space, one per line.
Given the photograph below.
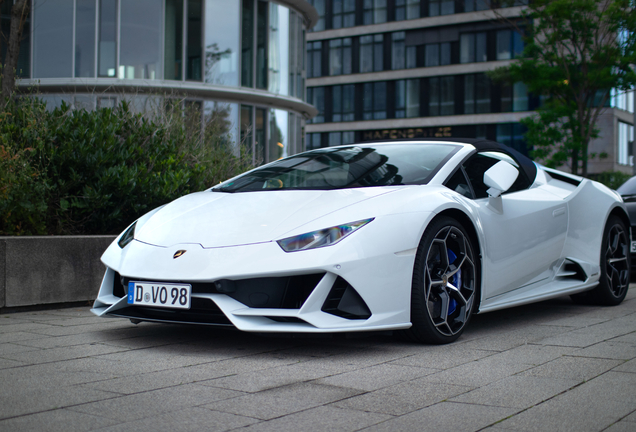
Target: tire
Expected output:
[443,293]
[615,267]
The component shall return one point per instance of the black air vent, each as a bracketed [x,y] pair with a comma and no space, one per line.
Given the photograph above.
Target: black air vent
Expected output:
[344,301]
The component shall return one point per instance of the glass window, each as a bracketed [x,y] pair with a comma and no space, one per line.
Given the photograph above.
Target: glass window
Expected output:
[107,38]
[379,11]
[85,38]
[503,44]
[347,56]
[433,96]
[378,52]
[374,101]
[314,59]
[472,47]
[467,48]
[261,45]
[447,7]
[445,53]
[173,48]
[221,119]
[316,97]
[367,12]
[140,29]
[433,8]
[335,57]
[335,139]
[346,167]
[400,10]
[336,14]
[482,94]
[469,94]
[343,103]
[349,13]
[398,57]
[407,98]
[246,128]
[247,44]
[412,9]
[625,137]
[313,141]
[348,137]
[475,5]
[260,145]
[278,57]
[411,57]
[278,131]
[480,47]
[431,55]
[320,7]
[366,54]
[517,44]
[193,41]
[222,44]
[447,95]
[519,97]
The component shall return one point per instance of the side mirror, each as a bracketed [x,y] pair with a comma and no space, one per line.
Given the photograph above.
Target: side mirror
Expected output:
[500,177]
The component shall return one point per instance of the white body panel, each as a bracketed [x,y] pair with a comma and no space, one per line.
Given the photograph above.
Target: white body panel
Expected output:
[524,239]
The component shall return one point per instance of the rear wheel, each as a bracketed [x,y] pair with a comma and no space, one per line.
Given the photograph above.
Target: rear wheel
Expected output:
[444,283]
[615,267]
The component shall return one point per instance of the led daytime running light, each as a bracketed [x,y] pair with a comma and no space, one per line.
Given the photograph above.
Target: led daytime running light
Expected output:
[127,236]
[321,238]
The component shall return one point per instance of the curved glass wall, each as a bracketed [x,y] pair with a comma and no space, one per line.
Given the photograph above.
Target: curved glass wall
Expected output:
[230,43]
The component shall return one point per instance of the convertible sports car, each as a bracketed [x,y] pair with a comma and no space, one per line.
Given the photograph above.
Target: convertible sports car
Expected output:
[414,236]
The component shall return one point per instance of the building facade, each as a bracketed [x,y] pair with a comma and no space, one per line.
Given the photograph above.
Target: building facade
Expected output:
[241,60]
[387,69]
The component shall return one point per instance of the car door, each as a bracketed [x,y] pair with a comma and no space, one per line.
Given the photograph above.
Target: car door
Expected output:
[524,230]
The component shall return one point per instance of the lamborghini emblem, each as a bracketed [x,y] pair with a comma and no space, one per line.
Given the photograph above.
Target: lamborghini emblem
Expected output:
[178,253]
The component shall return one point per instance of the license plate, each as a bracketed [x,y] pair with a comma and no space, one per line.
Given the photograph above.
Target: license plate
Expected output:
[159,294]
[633,247]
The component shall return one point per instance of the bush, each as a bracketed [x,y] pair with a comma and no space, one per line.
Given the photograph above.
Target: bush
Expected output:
[77,172]
[611,179]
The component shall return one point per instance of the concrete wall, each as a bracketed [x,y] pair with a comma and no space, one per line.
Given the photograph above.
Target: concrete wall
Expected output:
[50,269]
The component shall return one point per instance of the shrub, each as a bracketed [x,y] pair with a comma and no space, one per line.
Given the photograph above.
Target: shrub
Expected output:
[80,172]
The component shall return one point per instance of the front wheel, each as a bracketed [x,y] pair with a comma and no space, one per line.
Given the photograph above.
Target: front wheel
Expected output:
[444,283]
[615,267]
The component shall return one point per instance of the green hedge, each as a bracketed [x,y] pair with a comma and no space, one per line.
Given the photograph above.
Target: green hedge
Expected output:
[66,171]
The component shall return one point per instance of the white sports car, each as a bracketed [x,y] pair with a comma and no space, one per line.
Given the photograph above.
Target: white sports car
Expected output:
[408,235]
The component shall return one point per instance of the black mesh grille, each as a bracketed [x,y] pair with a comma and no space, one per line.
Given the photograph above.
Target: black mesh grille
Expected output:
[344,301]
[202,311]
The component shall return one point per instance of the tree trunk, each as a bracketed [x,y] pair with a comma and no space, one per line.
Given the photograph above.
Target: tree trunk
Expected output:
[19,14]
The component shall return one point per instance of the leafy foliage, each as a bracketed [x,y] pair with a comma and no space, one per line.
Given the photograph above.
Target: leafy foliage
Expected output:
[77,172]
[575,52]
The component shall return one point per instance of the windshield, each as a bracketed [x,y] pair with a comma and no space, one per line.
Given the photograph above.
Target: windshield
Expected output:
[347,167]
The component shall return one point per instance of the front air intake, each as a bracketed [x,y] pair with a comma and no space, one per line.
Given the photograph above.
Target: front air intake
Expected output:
[344,301]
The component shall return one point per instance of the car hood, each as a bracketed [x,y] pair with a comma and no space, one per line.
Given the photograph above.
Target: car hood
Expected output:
[217,219]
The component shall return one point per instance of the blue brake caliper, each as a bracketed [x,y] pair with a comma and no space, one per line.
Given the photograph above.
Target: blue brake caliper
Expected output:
[456,280]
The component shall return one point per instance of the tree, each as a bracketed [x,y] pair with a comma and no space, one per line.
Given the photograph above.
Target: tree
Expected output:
[19,15]
[575,52]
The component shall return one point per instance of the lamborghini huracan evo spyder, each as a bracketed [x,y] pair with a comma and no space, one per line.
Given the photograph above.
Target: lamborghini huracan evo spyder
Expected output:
[414,236]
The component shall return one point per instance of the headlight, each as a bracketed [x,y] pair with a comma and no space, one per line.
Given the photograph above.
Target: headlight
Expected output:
[127,236]
[320,238]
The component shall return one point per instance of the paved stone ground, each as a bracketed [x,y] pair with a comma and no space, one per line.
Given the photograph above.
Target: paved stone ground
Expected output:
[551,366]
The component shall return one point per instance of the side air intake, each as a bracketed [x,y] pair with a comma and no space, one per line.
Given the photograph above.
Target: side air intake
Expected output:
[344,301]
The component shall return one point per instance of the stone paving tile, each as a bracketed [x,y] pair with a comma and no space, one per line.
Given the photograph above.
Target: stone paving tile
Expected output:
[58,374]
[9,364]
[576,321]
[443,356]
[608,350]
[61,353]
[147,404]
[281,401]
[508,338]
[628,338]
[572,368]
[18,336]
[62,420]
[477,373]
[376,377]
[320,419]
[587,336]
[516,392]
[184,420]
[531,354]
[12,348]
[403,398]
[446,416]
[592,406]
[621,426]
[23,401]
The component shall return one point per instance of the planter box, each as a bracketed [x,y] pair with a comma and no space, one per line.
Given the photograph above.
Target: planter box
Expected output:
[50,269]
